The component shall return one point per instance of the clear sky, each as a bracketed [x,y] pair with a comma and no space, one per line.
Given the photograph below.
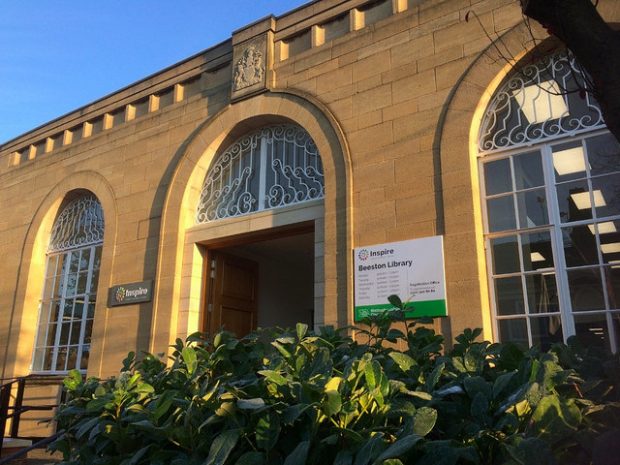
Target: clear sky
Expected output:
[58,55]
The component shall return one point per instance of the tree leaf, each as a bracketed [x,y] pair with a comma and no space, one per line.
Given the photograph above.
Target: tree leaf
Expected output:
[501,382]
[299,454]
[343,457]
[274,376]
[404,361]
[395,301]
[267,431]
[399,448]
[251,404]
[251,458]
[332,403]
[301,329]
[370,450]
[424,420]
[86,427]
[222,446]
[191,360]
[434,377]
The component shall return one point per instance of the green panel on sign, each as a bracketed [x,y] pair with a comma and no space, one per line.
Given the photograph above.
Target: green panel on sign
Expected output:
[425,309]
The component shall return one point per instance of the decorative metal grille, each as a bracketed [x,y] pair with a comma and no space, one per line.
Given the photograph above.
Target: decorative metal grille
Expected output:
[79,224]
[540,102]
[269,168]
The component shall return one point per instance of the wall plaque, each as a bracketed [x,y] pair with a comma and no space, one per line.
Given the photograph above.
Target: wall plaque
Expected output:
[132,293]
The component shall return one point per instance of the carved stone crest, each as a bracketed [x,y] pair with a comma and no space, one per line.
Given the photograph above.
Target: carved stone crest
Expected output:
[249,69]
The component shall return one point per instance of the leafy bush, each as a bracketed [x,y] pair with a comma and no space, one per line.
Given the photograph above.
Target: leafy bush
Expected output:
[293,397]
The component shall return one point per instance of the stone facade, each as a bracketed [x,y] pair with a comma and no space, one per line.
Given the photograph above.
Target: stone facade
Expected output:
[392,93]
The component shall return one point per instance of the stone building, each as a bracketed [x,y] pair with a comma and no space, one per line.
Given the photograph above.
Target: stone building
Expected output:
[232,189]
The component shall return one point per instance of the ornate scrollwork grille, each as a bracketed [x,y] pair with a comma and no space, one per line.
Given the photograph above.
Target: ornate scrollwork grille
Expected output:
[79,224]
[542,101]
[269,168]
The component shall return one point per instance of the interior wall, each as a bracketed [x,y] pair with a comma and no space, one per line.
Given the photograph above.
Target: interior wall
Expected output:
[285,279]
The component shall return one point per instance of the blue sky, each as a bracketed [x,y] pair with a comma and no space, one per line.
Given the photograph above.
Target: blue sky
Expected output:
[58,55]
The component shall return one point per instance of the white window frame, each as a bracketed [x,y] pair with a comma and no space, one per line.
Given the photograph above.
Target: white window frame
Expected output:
[78,228]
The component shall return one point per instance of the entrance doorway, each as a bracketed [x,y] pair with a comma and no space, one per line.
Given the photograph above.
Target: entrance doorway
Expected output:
[261,282]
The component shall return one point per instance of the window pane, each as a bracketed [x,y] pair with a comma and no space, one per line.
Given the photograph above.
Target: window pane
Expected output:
[505,255]
[90,311]
[61,359]
[75,332]
[569,162]
[513,331]
[579,246]
[546,331]
[60,267]
[603,154]
[84,259]
[509,296]
[58,286]
[574,201]
[586,290]
[497,177]
[606,191]
[610,242]
[85,354]
[64,333]
[67,309]
[74,261]
[542,293]
[72,358]
[51,335]
[71,284]
[532,207]
[592,330]
[501,214]
[81,288]
[528,171]
[47,363]
[88,331]
[537,251]
[611,275]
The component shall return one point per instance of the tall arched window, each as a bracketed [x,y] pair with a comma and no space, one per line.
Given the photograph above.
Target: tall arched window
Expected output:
[67,306]
[551,197]
[272,167]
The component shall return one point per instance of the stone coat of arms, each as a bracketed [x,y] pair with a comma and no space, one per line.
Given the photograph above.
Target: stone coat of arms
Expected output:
[249,69]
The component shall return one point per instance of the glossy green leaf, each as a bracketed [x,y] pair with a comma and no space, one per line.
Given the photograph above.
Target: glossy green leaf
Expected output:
[299,454]
[221,447]
[404,361]
[399,448]
[251,404]
[190,359]
[267,431]
[424,420]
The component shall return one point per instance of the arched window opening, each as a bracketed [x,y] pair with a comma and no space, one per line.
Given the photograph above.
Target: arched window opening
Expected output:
[541,101]
[269,168]
[550,175]
[67,308]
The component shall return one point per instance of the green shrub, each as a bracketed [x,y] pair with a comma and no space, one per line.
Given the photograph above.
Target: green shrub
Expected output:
[293,397]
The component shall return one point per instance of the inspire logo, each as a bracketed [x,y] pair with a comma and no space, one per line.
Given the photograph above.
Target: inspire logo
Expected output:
[121,292]
[363,255]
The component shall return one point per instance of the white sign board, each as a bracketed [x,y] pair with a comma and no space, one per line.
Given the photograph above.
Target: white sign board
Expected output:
[413,270]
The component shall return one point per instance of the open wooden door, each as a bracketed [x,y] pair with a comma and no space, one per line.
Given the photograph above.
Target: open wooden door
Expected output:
[231,299]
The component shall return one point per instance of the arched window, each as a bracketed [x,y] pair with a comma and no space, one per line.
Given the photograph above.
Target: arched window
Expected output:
[67,306]
[551,197]
[272,167]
